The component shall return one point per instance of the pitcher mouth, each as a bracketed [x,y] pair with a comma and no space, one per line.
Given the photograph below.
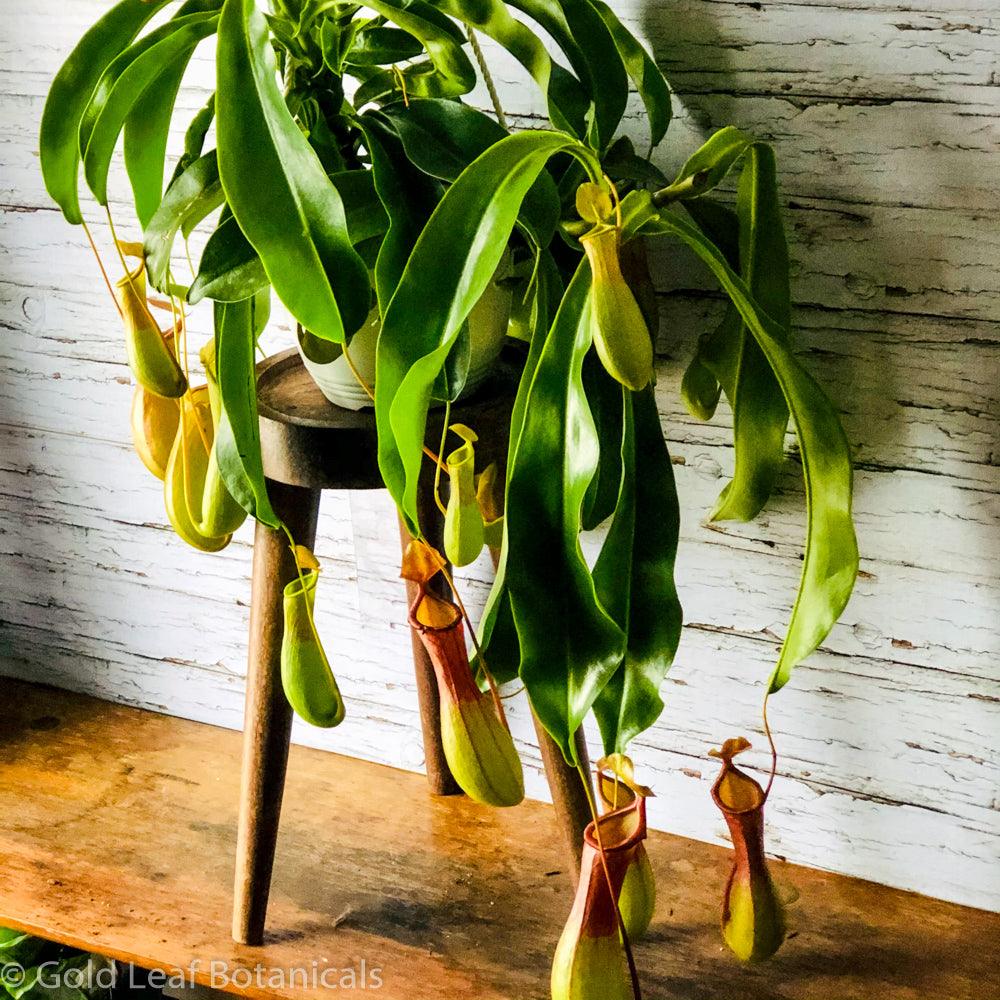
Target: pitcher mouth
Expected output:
[735,792]
[621,829]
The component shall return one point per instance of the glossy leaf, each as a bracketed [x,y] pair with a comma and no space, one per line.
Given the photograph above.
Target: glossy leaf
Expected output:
[194,138]
[237,443]
[191,197]
[125,81]
[442,138]
[567,99]
[230,269]
[708,166]
[448,73]
[408,197]
[497,632]
[760,414]
[583,34]
[570,646]
[382,47]
[145,144]
[643,72]
[453,261]
[604,397]
[69,95]
[831,557]
[634,576]
[276,187]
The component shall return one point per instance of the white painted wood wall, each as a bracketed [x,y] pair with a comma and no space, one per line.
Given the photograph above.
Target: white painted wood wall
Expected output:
[886,119]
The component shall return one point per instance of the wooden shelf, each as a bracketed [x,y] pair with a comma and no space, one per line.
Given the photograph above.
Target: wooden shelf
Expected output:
[117,831]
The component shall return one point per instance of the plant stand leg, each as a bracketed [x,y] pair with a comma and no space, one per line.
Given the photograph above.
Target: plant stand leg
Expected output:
[268,716]
[568,797]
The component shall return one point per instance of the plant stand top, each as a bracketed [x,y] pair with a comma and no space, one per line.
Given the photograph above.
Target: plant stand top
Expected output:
[308,441]
[118,833]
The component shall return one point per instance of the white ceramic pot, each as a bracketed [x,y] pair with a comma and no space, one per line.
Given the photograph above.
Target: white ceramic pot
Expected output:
[487,329]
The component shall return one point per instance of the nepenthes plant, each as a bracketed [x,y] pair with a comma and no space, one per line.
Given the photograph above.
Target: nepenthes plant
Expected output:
[341,167]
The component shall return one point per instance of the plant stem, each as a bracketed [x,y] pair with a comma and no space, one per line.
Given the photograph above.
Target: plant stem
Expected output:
[487,78]
[100,264]
[770,740]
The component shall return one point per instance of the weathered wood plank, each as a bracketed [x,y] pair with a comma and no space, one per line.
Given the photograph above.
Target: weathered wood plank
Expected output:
[118,837]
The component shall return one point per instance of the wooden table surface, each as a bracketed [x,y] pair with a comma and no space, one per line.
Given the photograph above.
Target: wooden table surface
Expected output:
[117,831]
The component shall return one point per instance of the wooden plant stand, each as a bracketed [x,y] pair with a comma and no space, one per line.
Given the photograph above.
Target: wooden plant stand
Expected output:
[309,445]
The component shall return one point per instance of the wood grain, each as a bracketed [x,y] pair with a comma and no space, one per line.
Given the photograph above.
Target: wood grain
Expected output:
[117,833]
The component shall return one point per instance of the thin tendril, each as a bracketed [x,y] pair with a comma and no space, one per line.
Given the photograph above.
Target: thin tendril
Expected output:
[104,273]
[484,666]
[629,957]
[770,741]
[487,78]
[437,466]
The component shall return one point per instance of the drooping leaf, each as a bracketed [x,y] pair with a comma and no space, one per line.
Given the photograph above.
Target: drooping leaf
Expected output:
[760,414]
[567,99]
[188,200]
[194,138]
[570,647]
[125,82]
[145,145]
[408,196]
[583,34]
[69,95]
[605,400]
[497,632]
[285,204]
[831,557]
[453,261]
[442,138]
[381,46]
[148,124]
[230,269]
[447,72]
[643,72]
[708,166]
[237,443]
[634,576]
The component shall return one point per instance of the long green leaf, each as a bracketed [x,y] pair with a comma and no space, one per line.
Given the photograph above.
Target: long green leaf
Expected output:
[760,414]
[452,263]
[148,125]
[583,34]
[831,557]
[449,72]
[643,72]
[634,576]
[408,196]
[604,397]
[237,443]
[442,138]
[276,187]
[570,647]
[125,81]
[497,632]
[230,268]
[567,99]
[146,131]
[188,200]
[69,95]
